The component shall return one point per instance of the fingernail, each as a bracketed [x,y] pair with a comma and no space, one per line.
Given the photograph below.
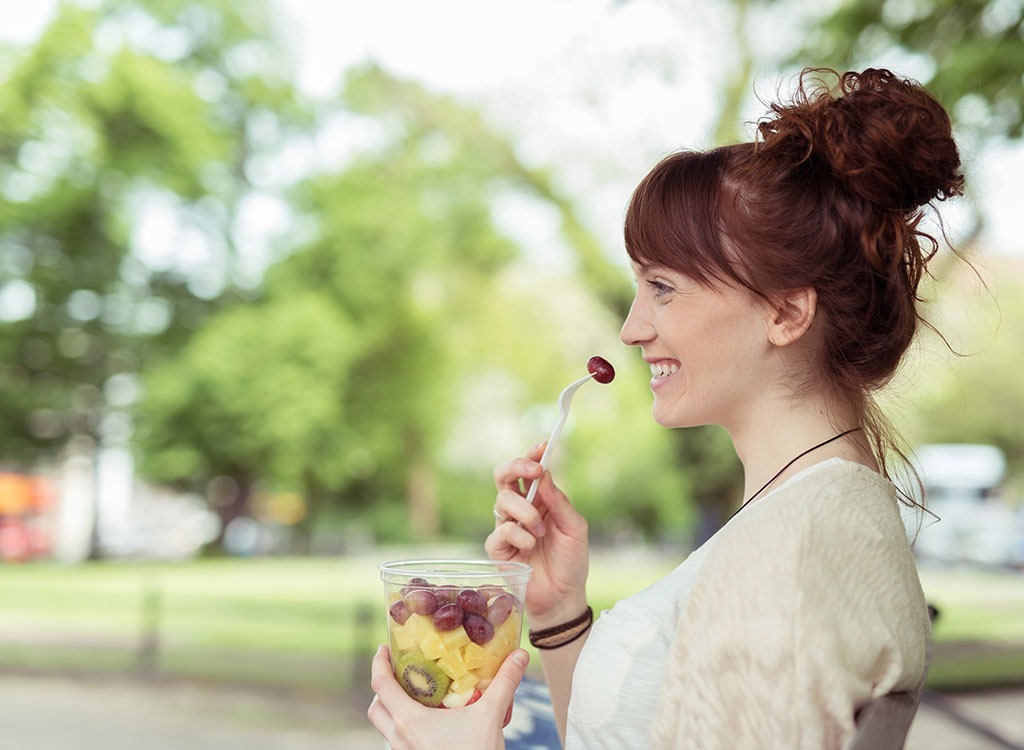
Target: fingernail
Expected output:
[521,658]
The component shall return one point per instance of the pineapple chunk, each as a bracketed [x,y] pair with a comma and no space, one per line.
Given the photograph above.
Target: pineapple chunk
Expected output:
[404,639]
[433,647]
[506,637]
[488,670]
[453,665]
[455,639]
[419,626]
[464,684]
[476,656]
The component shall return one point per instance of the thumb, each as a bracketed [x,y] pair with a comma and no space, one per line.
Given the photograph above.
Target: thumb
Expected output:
[537,452]
[560,510]
[502,689]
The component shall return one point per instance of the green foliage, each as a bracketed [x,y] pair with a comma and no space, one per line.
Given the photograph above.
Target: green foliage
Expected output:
[257,390]
[973,48]
[110,113]
[347,397]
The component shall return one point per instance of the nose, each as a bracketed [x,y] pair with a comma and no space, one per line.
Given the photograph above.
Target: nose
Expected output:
[637,328]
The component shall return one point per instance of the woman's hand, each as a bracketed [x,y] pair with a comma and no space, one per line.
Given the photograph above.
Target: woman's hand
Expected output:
[549,534]
[409,725]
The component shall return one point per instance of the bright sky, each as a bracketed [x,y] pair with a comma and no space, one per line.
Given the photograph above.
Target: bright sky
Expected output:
[552,72]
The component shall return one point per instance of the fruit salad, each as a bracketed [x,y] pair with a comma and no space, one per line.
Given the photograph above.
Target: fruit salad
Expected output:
[448,640]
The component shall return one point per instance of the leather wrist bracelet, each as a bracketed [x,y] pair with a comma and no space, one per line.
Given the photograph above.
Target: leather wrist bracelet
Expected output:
[560,635]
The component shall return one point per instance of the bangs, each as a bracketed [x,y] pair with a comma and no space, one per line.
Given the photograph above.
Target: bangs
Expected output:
[674,218]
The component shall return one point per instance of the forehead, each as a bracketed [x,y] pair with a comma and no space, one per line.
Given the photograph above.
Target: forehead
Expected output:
[647,270]
[642,266]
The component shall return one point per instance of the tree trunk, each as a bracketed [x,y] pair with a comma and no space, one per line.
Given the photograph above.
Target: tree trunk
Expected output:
[424,504]
[231,502]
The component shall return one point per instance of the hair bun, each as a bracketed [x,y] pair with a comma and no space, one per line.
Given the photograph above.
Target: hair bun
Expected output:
[888,140]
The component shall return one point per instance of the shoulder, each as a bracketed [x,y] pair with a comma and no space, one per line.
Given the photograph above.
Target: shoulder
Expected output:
[807,606]
[830,546]
[839,506]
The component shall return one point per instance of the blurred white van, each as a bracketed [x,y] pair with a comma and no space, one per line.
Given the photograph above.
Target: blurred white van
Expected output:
[975,524]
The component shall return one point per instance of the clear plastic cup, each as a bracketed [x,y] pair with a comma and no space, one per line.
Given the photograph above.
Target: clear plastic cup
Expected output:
[451,623]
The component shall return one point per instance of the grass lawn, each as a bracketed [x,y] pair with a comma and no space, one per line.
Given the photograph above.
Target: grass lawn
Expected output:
[311,624]
[979,632]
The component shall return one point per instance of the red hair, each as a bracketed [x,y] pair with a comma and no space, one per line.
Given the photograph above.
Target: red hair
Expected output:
[828,196]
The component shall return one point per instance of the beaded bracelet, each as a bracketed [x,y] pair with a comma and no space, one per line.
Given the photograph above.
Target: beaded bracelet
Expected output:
[560,635]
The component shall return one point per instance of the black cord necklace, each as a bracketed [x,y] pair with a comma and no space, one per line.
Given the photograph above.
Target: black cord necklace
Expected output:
[791,462]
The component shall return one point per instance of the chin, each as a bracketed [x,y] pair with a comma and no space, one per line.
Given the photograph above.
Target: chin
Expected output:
[668,420]
[674,420]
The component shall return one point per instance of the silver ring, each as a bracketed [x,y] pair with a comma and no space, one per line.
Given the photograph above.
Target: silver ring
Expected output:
[499,516]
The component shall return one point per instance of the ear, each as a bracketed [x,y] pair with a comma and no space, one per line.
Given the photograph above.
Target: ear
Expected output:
[790,315]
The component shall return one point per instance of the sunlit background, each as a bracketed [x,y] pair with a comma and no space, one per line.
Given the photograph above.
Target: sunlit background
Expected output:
[281,282]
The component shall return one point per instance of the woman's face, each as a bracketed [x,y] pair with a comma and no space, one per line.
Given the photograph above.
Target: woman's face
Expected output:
[707,347]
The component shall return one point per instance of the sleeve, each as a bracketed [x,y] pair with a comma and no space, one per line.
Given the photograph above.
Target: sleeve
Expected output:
[802,614]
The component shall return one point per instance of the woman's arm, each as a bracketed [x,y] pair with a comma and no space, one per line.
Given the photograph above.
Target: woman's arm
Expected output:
[558,665]
[550,535]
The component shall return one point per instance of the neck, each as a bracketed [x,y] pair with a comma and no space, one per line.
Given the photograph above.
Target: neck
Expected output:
[769,443]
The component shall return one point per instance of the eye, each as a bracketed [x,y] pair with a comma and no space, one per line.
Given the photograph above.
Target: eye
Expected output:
[660,288]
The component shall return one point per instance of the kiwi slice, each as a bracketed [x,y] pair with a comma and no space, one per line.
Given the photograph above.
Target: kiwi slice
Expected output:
[422,678]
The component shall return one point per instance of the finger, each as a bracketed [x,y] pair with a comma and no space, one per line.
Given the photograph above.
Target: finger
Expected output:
[511,674]
[517,536]
[383,682]
[559,510]
[537,451]
[507,475]
[508,540]
[502,689]
[378,715]
[512,506]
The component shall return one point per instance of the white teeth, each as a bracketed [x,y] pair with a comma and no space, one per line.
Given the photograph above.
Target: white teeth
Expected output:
[663,369]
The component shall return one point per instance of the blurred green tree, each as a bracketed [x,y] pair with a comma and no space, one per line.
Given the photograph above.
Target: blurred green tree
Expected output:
[336,382]
[130,134]
[975,397]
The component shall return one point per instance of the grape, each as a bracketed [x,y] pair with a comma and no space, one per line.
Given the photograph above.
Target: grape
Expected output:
[400,612]
[421,601]
[414,583]
[479,630]
[491,591]
[472,600]
[601,369]
[449,617]
[500,609]
[447,594]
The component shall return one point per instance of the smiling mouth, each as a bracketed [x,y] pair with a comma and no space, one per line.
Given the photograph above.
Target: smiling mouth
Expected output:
[663,369]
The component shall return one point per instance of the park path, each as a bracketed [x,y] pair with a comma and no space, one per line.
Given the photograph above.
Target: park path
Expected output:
[65,713]
[62,713]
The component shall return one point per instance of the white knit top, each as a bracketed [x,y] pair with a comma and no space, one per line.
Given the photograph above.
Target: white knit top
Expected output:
[800,610]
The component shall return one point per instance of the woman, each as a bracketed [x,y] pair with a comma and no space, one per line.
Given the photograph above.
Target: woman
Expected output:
[777,292]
